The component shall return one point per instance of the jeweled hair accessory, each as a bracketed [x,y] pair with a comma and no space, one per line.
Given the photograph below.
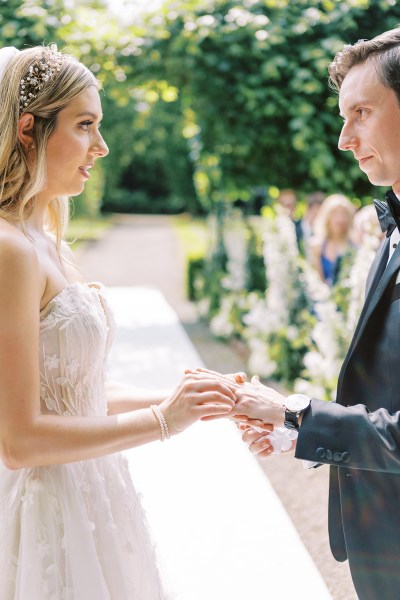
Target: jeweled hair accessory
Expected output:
[6,56]
[40,72]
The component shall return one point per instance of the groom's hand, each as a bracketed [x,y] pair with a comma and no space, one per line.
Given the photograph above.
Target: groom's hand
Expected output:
[256,401]
[260,443]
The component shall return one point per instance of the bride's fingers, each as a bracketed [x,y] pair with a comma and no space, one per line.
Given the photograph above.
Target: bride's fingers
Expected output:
[205,375]
[239,377]
[214,397]
[214,417]
[209,410]
[210,384]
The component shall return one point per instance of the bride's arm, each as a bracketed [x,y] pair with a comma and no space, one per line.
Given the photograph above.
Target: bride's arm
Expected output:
[123,398]
[29,438]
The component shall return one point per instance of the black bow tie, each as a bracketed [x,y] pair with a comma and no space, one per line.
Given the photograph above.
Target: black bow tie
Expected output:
[388,213]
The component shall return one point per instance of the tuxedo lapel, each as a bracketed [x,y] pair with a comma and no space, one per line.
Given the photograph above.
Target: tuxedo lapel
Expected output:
[377,268]
[375,291]
[378,279]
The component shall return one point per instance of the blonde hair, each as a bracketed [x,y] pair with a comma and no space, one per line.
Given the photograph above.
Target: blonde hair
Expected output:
[20,182]
[329,205]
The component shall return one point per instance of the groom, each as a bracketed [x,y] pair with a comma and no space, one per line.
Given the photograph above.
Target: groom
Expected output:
[359,435]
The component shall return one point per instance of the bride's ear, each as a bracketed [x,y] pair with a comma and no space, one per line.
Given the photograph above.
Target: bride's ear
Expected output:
[25,131]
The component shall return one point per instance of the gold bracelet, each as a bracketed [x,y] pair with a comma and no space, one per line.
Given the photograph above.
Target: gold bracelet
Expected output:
[165,435]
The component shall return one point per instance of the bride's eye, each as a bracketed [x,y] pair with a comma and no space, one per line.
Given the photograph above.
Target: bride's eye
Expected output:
[85,125]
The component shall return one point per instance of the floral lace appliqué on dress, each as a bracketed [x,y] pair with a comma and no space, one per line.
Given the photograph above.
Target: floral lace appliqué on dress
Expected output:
[75,531]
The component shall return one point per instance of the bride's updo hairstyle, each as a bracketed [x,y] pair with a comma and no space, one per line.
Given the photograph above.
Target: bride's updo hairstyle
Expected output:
[40,81]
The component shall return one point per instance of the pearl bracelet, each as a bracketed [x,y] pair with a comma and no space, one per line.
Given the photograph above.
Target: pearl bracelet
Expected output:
[165,435]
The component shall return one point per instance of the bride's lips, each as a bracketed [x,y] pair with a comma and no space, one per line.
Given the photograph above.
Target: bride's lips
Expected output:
[363,160]
[85,170]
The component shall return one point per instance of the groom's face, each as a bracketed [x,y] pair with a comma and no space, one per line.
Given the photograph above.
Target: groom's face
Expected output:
[371,128]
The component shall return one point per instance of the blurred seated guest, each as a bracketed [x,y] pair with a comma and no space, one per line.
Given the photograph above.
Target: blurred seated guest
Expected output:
[288,200]
[365,224]
[331,239]
[305,226]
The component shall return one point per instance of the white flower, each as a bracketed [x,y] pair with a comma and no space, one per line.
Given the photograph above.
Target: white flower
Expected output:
[259,362]
[220,326]
[203,307]
[309,388]
[292,333]
[313,363]
[236,248]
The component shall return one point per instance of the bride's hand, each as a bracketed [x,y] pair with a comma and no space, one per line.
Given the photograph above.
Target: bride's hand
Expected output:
[239,378]
[199,395]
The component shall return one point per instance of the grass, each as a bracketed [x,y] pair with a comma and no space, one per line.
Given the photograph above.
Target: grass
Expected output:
[192,234]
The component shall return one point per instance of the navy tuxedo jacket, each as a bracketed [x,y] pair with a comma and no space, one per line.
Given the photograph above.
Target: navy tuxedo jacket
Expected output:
[359,436]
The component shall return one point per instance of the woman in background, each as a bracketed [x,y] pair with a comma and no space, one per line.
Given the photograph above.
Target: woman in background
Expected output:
[331,238]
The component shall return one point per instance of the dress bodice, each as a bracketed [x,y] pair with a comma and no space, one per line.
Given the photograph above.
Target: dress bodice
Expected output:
[75,332]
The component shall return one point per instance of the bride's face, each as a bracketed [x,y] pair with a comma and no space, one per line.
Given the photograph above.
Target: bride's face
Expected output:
[74,145]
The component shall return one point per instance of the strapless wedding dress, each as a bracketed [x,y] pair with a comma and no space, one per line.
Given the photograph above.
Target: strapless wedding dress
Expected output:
[75,531]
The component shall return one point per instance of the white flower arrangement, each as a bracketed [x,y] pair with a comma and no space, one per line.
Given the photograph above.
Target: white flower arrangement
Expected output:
[358,277]
[298,330]
[236,250]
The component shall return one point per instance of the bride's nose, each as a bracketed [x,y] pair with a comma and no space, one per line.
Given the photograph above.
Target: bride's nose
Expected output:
[99,147]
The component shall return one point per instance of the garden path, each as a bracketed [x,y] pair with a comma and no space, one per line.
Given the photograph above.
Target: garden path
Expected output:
[143,251]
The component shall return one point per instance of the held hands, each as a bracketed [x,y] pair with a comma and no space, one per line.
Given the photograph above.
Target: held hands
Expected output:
[257,409]
[259,414]
[263,406]
[256,403]
[199,395]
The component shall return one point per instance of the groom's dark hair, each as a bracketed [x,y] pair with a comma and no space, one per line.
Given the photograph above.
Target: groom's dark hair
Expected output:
[383,50]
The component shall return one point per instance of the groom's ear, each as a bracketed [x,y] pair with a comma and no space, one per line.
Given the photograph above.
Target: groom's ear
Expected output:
[25,130]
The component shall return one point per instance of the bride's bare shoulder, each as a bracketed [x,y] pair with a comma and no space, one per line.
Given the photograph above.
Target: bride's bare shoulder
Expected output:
[17,253]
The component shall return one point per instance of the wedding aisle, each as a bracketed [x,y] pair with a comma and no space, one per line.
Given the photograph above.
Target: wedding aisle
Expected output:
[219,526]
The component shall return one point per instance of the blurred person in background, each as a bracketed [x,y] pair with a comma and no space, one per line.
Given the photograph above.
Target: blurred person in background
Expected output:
[331,238]
[365,224]
[305,225]
[287,199]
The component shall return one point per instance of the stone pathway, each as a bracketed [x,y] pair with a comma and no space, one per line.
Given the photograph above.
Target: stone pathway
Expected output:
[220,528]
[143,251]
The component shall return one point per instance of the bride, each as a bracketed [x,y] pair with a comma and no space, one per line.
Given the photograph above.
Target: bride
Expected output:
[71,526]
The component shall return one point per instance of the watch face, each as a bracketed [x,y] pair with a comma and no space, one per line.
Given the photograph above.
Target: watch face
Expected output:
[297,402]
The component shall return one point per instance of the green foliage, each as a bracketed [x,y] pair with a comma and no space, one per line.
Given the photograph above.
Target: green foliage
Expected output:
[254,76]
[148,166]
[256,279]
[208,100]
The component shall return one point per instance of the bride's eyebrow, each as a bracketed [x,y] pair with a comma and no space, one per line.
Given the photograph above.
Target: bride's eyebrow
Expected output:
[89,114]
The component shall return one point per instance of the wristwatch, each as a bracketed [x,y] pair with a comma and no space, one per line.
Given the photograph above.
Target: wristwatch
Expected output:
[295,405]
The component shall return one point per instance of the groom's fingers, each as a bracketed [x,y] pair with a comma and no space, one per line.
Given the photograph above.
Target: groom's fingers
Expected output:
[249,436]
[242,419]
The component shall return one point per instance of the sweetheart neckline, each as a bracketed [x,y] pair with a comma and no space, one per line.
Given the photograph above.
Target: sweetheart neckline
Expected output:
[79,284]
